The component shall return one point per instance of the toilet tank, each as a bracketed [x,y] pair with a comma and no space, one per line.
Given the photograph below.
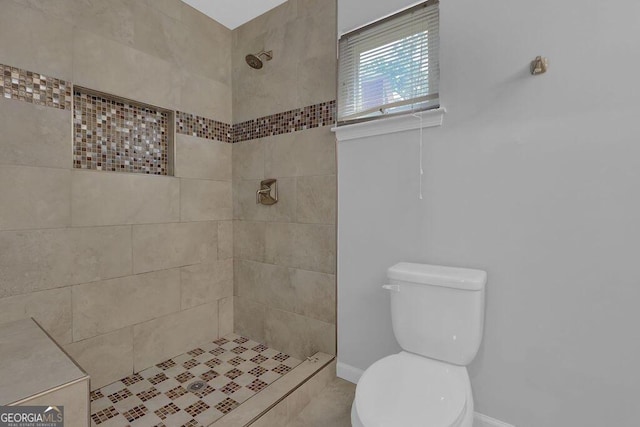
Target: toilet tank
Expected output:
[436,311]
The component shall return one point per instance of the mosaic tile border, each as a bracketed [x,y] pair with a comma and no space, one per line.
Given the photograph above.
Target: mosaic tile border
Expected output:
[35,88]
[309,117]
[202,127]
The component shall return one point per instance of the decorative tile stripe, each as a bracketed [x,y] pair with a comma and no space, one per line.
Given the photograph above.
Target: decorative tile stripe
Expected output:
[309,117]
[202,127]
[36,88]
[116,135]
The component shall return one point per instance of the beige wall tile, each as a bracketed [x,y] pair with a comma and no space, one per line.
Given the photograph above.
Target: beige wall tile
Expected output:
[44,259]
[315,294]
[113,19]
[205,35]
[316,199]
[171,8]
[225,316]
[304,246]
[106,358]
[108,305]
[161,246]
[74,399]
[249,318]
[33,135]
[99,253]
[248,160]
[246,208]
[174,334]
[51,309]
[297,335]
[202,158]
[206,283]
[205,97]
[106,198]
[225,239]
[317,79]
[249,240]
[264,92]
[29,33]
[138,75]
[303,292]
[203,200]
[308,152]
[34,197]
[264,283]
[156,32]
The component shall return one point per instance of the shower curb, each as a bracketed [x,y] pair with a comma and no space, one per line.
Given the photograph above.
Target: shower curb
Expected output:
[273,405]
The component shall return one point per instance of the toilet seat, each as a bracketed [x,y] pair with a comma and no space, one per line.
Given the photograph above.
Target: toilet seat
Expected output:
[410,391]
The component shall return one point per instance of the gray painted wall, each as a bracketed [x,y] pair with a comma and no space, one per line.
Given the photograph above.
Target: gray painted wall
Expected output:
[533,179]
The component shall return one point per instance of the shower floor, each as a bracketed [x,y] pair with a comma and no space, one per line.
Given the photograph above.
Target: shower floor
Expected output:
[231,370]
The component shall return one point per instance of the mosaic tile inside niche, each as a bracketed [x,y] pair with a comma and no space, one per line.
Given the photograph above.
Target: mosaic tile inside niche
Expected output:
[234,369]
[308,117]
[117,135]
[35,88]
[190,124]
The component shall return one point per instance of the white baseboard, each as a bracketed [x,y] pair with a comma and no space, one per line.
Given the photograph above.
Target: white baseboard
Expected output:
[480,420]
[348,372]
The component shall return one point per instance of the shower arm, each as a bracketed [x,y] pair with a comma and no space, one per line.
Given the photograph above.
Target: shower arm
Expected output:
[268,55]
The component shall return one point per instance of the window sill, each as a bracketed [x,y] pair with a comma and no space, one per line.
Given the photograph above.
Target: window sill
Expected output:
[423,119]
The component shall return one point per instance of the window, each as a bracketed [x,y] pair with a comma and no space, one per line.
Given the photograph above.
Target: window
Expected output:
[391,66]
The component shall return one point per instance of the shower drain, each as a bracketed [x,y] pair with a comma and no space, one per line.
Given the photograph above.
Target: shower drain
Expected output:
[196,386]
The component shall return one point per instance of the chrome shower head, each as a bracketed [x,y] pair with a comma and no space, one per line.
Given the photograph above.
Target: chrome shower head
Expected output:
[254,61]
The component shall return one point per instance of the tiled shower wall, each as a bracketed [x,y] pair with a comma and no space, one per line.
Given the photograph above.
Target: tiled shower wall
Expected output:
[124,270]
[284,255]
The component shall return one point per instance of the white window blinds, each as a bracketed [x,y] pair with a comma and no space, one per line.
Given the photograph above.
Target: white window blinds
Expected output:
[390,66]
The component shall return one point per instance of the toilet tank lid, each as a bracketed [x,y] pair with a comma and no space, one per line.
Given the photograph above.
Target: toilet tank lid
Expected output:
[438,275]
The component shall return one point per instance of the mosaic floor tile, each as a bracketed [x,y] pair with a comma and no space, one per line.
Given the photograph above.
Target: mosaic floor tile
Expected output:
[234,369]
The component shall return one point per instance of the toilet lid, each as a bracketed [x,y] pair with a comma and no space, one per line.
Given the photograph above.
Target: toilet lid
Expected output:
[408,390]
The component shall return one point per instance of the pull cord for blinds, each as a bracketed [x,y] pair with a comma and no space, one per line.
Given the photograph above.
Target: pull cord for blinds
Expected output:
[421,143]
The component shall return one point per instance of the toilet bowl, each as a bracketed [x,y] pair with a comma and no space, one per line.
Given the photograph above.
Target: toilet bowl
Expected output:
[437,315]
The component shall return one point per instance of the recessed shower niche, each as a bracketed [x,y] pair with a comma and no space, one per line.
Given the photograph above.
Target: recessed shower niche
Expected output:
[120,135]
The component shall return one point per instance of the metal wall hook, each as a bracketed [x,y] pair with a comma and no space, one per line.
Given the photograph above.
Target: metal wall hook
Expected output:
[268,192]
[539,65]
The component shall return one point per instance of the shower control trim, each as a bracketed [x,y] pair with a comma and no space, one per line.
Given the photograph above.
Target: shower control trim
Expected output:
[268,192]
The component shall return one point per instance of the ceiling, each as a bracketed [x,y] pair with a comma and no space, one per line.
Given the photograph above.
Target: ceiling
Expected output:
[233,13]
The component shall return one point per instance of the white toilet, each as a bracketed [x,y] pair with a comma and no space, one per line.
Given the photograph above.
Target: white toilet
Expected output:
[438,318]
